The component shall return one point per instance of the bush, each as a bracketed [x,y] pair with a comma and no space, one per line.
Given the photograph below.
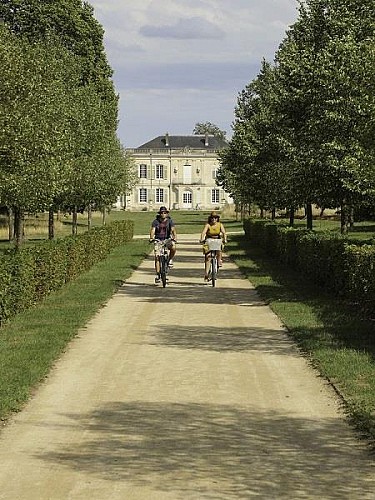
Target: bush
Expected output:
[29,274]
[329,259]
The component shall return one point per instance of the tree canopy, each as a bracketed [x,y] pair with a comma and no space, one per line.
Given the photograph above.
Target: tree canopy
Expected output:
[303,127]
[209,128]
[58,109]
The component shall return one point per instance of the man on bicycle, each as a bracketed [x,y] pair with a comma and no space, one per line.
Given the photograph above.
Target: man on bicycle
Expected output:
[163,228]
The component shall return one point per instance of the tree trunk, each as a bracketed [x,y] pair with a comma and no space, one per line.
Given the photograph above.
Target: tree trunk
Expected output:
[89,217]
[19,220]
[51,224]
[103,216]
[11,230]
[309,216]
[291,217]
[74,221]
[273,213]
[351,216]
[344,217]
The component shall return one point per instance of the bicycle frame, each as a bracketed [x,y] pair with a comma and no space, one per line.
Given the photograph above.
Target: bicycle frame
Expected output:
[163,257]
[214,246]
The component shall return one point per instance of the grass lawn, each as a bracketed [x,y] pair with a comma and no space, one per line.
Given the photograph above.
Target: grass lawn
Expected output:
[338,341]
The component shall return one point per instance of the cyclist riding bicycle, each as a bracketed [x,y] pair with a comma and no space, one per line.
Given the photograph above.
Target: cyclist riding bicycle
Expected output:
[163,228]
[212,229]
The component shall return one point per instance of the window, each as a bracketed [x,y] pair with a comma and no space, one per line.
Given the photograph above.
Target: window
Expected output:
[214,173]
[187,197]
[215,195]
[159,195]
[160,171]
[143,195]
[143,171]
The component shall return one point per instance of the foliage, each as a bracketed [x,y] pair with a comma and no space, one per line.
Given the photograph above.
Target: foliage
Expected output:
[202,128]
[58,110]
[303,127]
[327,258]
[30,274]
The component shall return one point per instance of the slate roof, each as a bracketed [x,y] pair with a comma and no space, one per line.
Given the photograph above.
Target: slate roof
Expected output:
[182,141]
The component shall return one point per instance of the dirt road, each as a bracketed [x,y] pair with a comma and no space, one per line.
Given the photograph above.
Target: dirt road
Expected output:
[187,392]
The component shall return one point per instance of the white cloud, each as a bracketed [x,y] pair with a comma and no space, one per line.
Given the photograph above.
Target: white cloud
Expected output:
[184,29]
[173,58]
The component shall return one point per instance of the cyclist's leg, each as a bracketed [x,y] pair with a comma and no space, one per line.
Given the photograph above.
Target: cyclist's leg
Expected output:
[219,258]
[172,252]
[207,264]
[156,257]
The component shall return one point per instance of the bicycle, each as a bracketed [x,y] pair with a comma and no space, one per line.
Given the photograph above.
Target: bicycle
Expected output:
[163,257]
[214,247]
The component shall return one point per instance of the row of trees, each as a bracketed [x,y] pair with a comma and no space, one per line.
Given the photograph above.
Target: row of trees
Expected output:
[58,112]
[304,128]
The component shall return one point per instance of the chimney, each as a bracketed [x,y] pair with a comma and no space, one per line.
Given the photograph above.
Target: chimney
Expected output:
[167,140]
[206,140]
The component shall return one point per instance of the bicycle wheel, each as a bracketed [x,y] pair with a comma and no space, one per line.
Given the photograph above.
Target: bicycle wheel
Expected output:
[163,270]
[213,269]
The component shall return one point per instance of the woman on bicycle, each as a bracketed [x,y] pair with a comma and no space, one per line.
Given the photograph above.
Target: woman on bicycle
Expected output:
[212,229]
[163,228]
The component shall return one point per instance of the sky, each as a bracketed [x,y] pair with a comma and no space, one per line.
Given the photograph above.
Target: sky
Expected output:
[181,62]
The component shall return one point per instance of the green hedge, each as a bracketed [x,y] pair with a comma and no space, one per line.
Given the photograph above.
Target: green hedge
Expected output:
[29,274]
[329,259]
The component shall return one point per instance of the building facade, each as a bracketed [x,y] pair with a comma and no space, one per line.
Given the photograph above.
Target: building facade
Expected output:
[178,172]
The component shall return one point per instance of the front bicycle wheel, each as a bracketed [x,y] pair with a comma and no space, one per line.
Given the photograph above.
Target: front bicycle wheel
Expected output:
[213,270]
[163,270]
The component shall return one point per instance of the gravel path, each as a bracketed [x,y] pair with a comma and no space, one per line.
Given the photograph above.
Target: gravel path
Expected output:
[188,392]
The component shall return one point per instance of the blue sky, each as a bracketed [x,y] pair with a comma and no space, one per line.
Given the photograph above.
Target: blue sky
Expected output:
[179,62]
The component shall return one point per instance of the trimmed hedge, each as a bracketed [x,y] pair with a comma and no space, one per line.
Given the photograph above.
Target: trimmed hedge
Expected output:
[29,274]
[329,259]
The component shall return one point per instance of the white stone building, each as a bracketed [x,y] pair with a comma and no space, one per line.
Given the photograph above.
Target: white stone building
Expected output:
[178,172]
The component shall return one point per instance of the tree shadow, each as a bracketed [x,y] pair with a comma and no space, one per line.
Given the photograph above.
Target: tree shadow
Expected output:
[216,451]
[220,339]
[189,292]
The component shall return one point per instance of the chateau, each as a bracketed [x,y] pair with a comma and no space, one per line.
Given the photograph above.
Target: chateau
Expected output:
[178,172]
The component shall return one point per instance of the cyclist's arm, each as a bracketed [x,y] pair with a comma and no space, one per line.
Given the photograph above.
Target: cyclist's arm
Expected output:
[152,233]
[204,232]
[174,233]
[223,233]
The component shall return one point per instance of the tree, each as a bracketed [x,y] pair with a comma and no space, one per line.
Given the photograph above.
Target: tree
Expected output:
[34,135]
[61,95]
[209,128]
[326,69]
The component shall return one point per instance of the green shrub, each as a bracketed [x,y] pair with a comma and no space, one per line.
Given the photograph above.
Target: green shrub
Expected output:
[327,258]
[29,274]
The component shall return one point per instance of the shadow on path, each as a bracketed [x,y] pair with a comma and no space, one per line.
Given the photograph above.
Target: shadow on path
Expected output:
[220,339]
[216,451]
